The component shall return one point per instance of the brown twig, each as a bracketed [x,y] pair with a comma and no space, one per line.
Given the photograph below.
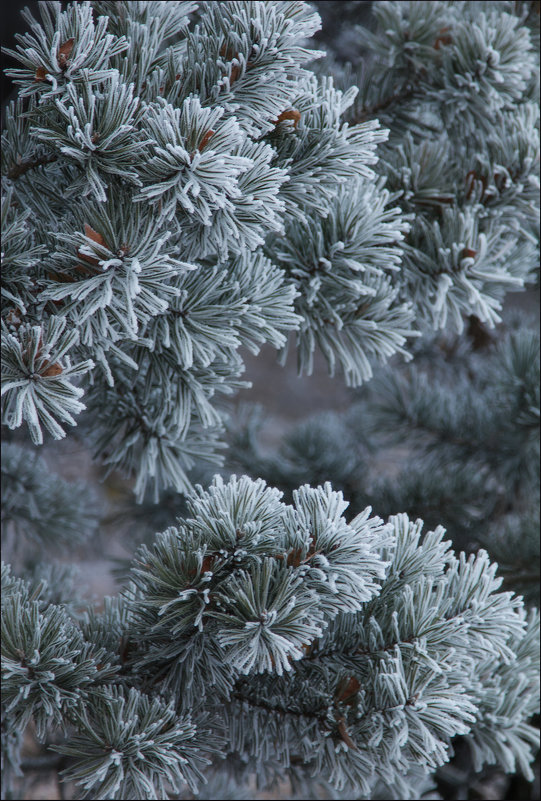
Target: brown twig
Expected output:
[20,169]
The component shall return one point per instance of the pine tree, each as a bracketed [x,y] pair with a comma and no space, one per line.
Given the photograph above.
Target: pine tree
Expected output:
[184,181]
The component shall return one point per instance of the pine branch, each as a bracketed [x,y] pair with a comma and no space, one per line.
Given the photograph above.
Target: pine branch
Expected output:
[401,96]
[43,763]
[320,717]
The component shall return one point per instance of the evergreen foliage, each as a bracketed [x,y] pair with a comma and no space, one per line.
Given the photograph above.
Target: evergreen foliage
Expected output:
[160,212]
[288,641]
[457,85]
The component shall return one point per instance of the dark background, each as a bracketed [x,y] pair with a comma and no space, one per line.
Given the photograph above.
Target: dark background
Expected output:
[12,23]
